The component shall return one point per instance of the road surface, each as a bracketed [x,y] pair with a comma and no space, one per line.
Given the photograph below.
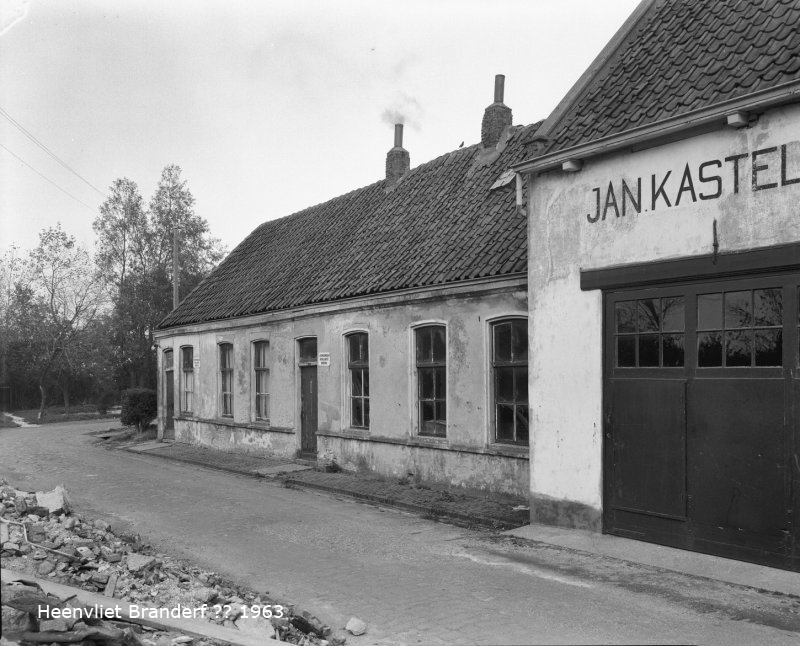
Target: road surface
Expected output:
[413,581]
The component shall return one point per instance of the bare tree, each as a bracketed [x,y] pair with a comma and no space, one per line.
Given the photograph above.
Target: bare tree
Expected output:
[65,294]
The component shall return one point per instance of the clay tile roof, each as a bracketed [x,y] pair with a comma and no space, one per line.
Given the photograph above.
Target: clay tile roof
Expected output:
[441,223]
[680,56]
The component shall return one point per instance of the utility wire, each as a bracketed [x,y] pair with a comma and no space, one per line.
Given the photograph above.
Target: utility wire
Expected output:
[47,178]
[30,136]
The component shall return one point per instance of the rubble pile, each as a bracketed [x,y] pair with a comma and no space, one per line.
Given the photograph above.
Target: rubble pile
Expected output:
[64,622]
[40,536]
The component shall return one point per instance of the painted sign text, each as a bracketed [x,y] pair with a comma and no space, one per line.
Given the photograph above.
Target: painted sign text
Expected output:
[764,169]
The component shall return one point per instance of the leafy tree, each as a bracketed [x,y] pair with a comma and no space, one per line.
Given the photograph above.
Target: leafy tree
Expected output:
[122,233]
[24,344]
[135,251]
[171,207]
[122,258]
[85,370]
[10,273]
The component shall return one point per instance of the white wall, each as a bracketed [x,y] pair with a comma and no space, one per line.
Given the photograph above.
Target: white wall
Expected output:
[386,447]
[565,325]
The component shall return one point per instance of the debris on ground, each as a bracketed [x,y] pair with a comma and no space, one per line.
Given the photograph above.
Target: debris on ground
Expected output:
[26,608]
[356,626]
[40,536]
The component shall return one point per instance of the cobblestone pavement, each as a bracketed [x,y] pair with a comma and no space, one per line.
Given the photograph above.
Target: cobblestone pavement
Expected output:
[412,580]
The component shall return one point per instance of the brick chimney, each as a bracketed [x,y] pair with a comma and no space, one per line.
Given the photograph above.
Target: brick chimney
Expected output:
[497,117]
[398,160]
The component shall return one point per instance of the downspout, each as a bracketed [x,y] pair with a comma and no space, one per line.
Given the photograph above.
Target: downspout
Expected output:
[519,178]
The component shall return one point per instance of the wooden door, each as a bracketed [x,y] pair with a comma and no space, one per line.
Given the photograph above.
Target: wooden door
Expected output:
[308,394]
[308,409]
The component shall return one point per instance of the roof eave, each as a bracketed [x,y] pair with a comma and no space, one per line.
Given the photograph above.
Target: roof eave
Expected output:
[391,297]
[672,127]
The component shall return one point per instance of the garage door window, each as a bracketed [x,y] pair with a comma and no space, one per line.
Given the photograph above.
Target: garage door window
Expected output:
[740,328]
[649,332]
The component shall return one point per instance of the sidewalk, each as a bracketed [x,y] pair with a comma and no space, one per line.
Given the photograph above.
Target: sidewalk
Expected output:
[660,557]
[436,503]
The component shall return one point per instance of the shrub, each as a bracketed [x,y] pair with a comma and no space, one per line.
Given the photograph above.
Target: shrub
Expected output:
[139,407]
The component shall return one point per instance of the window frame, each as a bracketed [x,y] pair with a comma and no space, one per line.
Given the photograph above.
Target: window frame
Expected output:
[419,368]
[362,366]
[691,289]
[516,366]
[168,370]
[265,370]
[224,371]
[725,330]
[187,379]
[663,336]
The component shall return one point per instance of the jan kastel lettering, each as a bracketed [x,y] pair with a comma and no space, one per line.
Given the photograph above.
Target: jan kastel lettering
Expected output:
[760,170]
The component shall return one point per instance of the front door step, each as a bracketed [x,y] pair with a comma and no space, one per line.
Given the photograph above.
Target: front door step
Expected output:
[307,457]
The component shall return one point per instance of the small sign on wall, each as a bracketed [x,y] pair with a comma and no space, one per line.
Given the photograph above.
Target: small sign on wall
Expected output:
[196,363]
[324,359]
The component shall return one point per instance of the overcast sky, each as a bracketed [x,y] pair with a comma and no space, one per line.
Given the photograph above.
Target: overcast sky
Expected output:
[268,106]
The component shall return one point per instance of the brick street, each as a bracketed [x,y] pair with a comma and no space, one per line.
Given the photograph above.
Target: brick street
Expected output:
[412,580]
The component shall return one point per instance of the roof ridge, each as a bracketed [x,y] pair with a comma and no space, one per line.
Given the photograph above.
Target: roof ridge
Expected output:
[673,57]
[429,230]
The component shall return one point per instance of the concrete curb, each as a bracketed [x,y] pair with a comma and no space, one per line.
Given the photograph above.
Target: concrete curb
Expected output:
[453,516]
[199,463]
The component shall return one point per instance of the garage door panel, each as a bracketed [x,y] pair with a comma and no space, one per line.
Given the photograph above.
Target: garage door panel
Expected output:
[737,462]
[649,447]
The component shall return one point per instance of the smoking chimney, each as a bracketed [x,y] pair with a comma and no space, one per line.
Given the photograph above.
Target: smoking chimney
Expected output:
[497,117]
[398,160]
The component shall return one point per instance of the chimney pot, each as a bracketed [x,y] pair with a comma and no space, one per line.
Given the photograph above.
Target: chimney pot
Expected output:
[497,117]
[398,135]
[499,87]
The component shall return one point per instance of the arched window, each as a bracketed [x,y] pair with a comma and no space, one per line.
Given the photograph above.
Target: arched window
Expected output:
[261,370]
[358,366]
[226,378]
[510,380]
[187,379]
[431,362]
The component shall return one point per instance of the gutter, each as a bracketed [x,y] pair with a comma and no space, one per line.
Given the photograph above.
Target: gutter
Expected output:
[462,288]
[670,127]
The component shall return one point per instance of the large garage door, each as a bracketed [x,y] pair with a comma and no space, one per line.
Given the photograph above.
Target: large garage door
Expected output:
[700,416]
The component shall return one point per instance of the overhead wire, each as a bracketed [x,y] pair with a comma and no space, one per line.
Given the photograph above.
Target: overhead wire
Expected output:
[33,138]
[44,177]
